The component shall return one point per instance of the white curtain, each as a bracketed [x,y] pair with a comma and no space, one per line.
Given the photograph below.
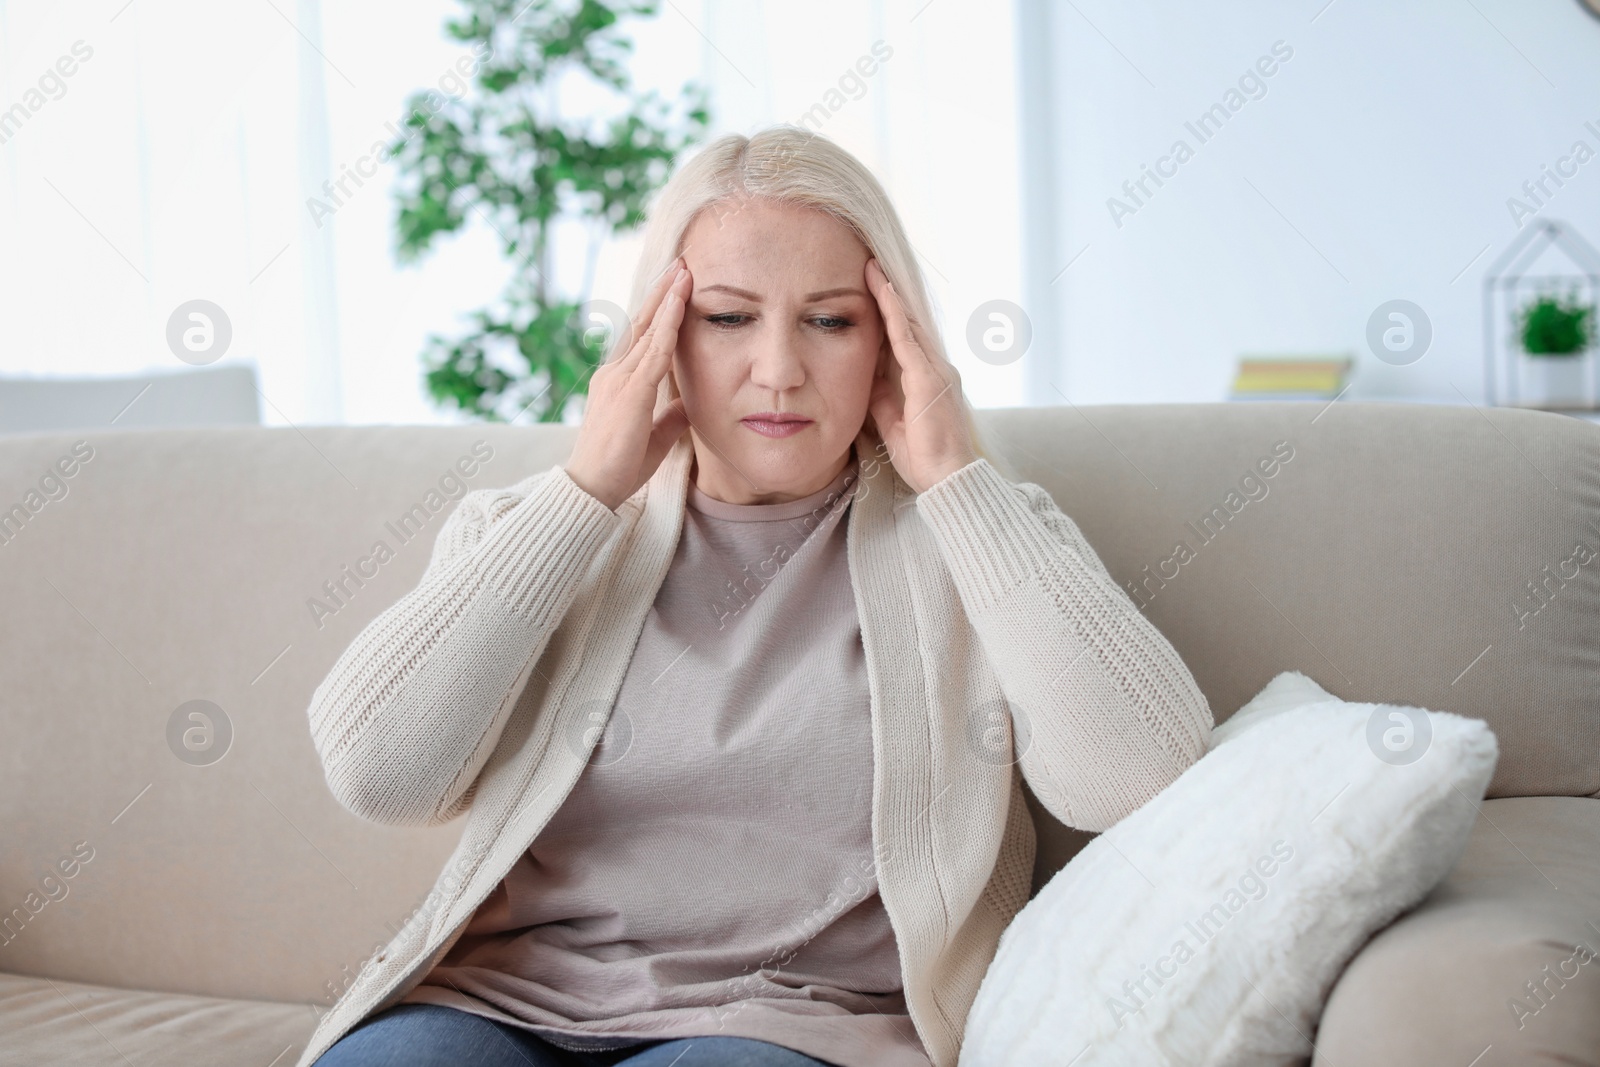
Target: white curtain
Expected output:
[167,167]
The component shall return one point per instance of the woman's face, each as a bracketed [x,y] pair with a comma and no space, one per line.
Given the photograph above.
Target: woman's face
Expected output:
[780,320]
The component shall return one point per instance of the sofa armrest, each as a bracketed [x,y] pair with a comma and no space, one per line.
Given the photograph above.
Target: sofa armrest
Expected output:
[1503,955]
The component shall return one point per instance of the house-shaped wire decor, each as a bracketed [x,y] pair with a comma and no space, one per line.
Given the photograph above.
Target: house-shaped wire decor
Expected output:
[1507,288]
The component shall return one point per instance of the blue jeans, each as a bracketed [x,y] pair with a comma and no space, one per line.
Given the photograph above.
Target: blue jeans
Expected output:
[432,1035]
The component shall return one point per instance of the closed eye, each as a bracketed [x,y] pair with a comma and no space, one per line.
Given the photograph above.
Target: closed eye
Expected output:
[826,323]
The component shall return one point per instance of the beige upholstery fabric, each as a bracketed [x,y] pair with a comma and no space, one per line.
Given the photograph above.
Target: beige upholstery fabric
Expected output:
[46,1021]
[1449,983]
[1386,561]
[1387,555]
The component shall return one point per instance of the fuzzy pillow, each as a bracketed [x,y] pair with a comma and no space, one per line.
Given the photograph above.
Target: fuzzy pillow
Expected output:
[1208,927]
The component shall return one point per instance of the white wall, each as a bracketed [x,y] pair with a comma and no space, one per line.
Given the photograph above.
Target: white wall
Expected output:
[178,161]
[1377,166]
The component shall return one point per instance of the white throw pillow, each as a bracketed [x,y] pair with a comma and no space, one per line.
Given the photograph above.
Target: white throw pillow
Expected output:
[1208,927]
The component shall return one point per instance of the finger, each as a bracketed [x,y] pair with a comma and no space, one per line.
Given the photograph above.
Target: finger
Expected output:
[925,343]
[908,349]
[896,323]
[644,340]
[913,334]
[885,408]
[668,427]
[656,356]
[647,311]
[914,355]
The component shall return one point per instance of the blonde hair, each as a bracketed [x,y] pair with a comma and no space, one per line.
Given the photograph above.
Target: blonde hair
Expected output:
[793,165]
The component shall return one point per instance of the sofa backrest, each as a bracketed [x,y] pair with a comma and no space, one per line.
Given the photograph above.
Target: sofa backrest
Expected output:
[1388,555]
[1438,556]
[1446,557]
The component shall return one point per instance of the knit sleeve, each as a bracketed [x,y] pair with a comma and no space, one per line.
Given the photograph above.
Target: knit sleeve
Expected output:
[1105,713]
[413,708]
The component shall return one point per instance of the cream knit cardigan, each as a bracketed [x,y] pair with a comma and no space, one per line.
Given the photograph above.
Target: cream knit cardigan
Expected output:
[480,691]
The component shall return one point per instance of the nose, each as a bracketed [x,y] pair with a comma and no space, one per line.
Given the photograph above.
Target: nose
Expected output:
[775,360]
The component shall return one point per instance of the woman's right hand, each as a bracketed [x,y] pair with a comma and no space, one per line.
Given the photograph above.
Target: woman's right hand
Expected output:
[621,442]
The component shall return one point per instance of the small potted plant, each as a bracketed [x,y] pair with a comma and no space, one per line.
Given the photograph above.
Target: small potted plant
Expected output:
[1557,333]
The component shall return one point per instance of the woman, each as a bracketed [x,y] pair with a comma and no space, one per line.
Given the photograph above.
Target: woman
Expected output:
[825,639]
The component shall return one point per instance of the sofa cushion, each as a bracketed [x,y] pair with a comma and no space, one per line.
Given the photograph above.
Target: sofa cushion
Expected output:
[1449,982]
[1208,927]
[49,1021]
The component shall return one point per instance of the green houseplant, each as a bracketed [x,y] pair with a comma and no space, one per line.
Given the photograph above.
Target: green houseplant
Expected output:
[1550,326]
[501,152]
[1557,332]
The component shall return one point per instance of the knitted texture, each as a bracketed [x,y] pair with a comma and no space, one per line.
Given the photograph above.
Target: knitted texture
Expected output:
[408,716]
[1067,644]
[998,648]
[712,868]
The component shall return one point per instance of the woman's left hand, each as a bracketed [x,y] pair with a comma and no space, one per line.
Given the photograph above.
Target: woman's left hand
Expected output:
[926,435]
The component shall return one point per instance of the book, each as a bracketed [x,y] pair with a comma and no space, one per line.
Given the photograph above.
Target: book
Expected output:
[1291,377]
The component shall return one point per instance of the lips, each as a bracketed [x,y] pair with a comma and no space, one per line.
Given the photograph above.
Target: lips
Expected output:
[775,423]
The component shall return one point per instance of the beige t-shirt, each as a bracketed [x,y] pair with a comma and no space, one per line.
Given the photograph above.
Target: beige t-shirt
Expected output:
[712,871]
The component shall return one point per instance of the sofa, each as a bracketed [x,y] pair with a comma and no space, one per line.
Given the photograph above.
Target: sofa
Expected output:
[179,887]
